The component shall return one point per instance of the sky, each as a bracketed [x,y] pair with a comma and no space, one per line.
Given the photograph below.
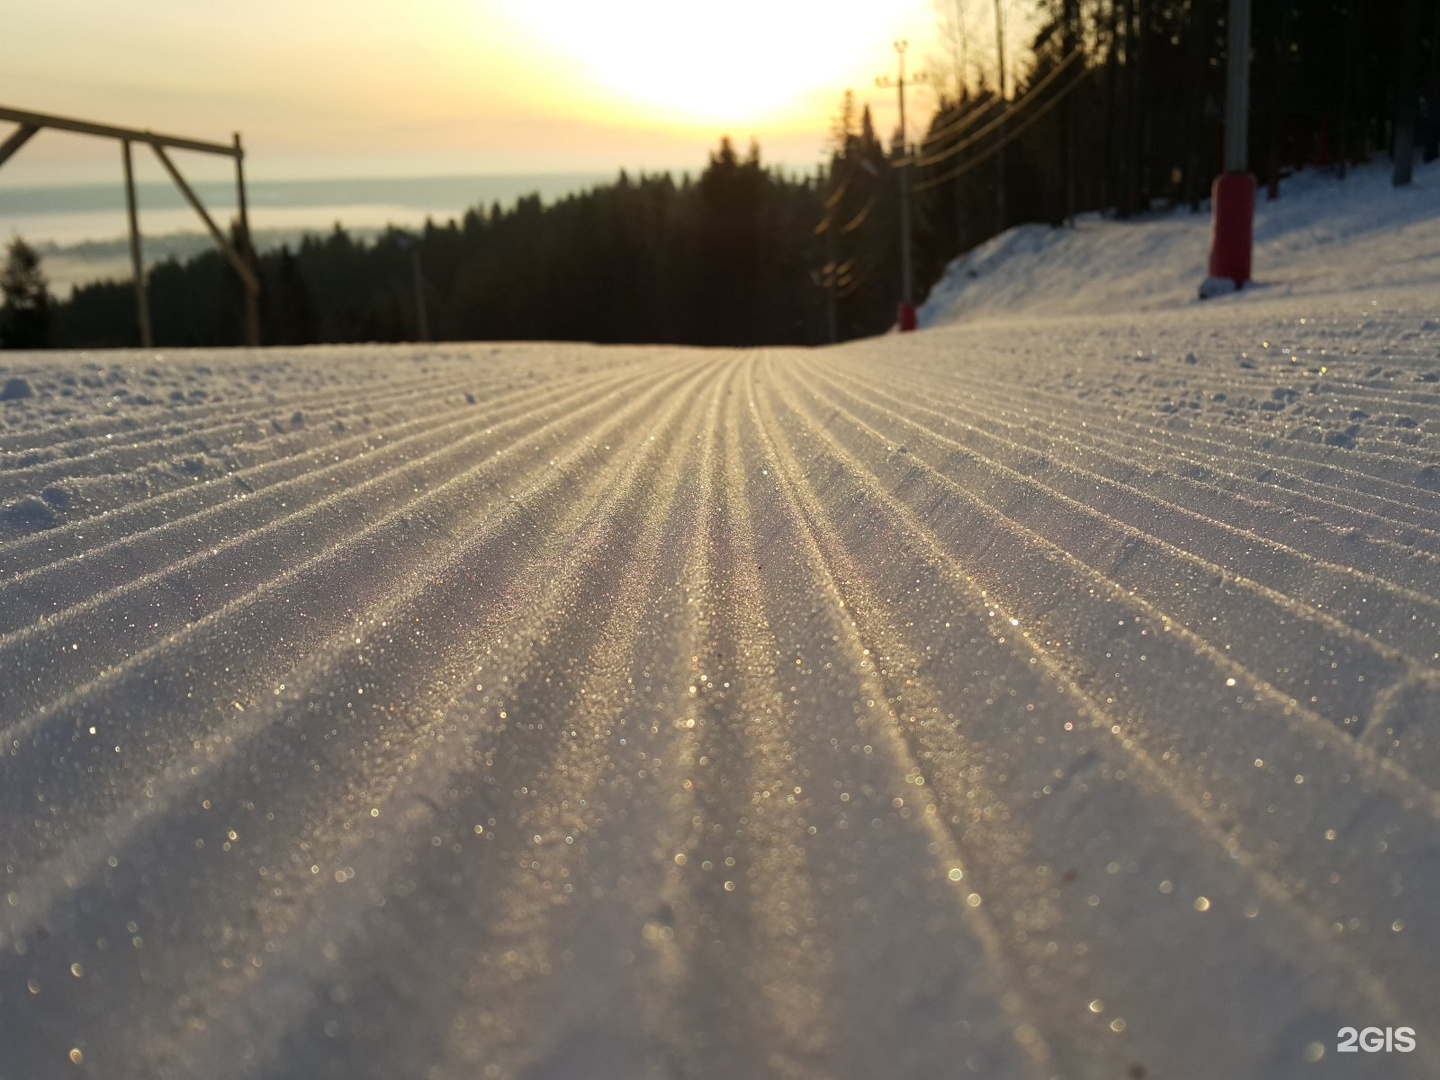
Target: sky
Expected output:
[329,88]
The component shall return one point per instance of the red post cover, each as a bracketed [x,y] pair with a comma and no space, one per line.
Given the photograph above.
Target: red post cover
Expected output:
[1231,226]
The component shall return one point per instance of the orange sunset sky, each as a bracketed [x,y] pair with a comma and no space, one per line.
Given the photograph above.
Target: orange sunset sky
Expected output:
[412,87]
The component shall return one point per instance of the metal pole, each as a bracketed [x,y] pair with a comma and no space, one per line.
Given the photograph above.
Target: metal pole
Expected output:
[137,268]
[247,251]
[1232,198]
[1237,88]
[907,283]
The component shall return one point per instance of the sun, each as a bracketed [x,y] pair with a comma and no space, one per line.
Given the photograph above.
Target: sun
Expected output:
[740,61]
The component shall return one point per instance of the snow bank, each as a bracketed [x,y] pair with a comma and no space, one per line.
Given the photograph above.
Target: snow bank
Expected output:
[1322,235]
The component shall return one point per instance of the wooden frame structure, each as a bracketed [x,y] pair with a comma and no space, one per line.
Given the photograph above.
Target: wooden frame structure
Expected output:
[243,260]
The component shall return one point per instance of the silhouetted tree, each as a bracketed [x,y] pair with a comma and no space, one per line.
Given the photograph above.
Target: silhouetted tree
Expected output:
[722,259]
[25,313]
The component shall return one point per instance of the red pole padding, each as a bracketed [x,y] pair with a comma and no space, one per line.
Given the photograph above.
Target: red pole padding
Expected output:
[1232,199]
[907,318]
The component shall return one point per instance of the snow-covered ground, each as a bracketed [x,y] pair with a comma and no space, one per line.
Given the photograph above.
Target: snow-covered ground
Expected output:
[1322,235]
[1038,695]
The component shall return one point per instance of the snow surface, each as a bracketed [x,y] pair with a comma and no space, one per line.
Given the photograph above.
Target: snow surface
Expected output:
[1322,234]
[1025,697]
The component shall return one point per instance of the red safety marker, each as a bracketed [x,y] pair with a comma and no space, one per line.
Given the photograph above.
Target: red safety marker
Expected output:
[1232,227]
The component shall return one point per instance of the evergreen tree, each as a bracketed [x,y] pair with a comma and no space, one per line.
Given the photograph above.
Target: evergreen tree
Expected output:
[858,228]
[25,313]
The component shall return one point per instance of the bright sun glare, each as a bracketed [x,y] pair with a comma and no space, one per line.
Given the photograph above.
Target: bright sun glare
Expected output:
[733,61]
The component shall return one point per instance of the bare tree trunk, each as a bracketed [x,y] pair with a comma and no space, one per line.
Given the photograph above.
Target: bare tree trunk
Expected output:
[1407,91]
[1198,33]
[1138,182]
[1130,116]
[1108,194]
[1360,138]
[832,291]
[1347,91]
[1070,12]
[1000,134]
[962,45]
[1432,121]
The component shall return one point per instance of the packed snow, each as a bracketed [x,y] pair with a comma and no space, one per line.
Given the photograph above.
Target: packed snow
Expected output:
[1324,234]
[1049,693]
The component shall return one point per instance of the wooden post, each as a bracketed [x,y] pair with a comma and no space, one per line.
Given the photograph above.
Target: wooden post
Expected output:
[244,262]
[137,266]
[242,268]
[247,251]
[18,138]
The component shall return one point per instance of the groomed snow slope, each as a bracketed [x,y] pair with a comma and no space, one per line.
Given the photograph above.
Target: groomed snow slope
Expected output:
[1051,698]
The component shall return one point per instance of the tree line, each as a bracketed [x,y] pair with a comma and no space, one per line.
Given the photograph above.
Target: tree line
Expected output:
[731,257]
[1118,106]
